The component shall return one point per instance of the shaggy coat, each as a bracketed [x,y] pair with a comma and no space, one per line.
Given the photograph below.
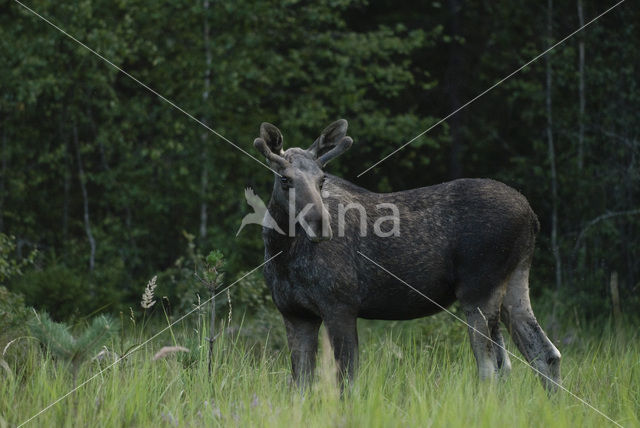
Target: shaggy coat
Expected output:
[470,240]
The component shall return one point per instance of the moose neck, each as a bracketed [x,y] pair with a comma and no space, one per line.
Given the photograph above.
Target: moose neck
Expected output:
[273,240]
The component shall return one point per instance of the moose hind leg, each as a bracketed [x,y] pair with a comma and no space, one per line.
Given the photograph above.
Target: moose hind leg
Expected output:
[483,317]
[302,335]
[480,338]
[525,331]
[502,356]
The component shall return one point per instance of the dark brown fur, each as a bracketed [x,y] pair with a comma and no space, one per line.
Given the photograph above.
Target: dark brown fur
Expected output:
[461,240]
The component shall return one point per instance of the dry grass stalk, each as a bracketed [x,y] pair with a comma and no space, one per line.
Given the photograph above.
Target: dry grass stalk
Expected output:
[327,368]
[168,350]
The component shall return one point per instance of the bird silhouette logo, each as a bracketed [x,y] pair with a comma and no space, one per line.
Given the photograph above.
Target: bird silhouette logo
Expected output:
[260,214]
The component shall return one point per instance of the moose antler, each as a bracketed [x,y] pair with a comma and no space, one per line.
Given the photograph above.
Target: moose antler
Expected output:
[337,150]
[262,146]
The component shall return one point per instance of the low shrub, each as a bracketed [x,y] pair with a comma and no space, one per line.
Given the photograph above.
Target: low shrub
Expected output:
[67,293]
[14,315]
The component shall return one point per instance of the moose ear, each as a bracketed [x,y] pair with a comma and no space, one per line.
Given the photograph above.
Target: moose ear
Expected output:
[270,145]
[335,132]
[272,136]
[330,137]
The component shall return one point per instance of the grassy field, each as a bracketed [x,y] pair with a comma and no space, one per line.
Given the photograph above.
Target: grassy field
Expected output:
[418,373]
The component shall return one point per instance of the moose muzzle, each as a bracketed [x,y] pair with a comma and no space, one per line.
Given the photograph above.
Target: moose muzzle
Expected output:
[316,225]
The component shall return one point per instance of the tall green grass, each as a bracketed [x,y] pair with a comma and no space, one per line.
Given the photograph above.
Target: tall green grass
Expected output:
[407,377]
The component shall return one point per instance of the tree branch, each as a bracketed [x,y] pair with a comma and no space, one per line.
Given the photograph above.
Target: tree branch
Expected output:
[598,219]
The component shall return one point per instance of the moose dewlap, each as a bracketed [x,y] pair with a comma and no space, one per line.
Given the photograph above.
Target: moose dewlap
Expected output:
[470,240]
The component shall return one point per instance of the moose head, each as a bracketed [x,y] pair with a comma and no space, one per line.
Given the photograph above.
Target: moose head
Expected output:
[300,176]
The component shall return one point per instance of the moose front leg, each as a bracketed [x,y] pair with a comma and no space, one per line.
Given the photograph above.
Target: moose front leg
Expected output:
[302,335]
[342,329]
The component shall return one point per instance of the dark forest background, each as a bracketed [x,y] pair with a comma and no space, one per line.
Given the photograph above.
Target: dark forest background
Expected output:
[111,185]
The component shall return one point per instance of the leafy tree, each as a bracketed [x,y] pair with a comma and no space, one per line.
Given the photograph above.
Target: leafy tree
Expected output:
[10,267]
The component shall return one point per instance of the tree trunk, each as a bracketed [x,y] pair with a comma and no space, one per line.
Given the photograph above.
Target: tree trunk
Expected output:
[68,165]
[581,89]
[112,180]
[615,298]
[65,202]
[204,175]
[552,154]
[454,74]
[3,174]
[85,199]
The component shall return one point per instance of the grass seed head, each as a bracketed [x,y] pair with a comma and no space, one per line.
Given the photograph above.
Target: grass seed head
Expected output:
[148,295]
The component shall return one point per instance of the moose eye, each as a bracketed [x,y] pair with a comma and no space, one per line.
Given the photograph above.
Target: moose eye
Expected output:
[285,181]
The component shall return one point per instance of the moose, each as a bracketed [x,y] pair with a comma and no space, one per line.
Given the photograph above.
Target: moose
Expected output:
[470,240]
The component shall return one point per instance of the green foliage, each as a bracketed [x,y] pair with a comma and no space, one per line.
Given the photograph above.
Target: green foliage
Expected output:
[13,318]
[64,346]
[65,292]
[215,258]
[192,276]
[251,292]
[13,312]
[56,289]
[10,267]
[212,275]
[301,70]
